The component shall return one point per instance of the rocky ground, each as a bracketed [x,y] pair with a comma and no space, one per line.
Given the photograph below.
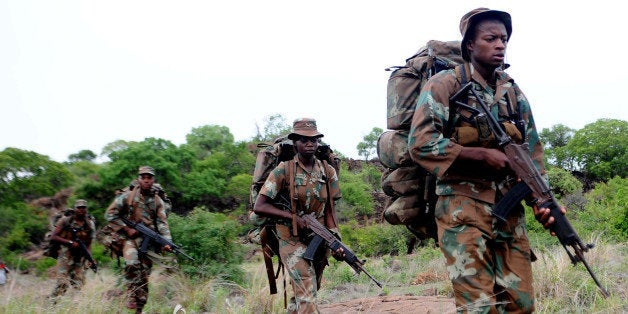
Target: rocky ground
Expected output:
[392,304]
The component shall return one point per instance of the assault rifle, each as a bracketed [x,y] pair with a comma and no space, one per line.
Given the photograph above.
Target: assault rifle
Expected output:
[154,238]
[84,251]
[532,187]
[322,234]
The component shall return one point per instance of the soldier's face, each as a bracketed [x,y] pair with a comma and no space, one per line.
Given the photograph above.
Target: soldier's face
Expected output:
[80,212]
[146,181]
[488,48]
[307,146]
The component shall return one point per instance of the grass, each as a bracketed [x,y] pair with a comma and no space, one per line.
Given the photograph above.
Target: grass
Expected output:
[560,287]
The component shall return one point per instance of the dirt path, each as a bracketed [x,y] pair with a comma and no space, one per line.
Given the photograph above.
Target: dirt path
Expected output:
[392,304]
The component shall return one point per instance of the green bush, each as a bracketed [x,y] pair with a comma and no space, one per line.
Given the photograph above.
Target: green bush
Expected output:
[374,240]
[562,182]
[355,191]
[20,225]
[211,239]
[42,265]
[607,211]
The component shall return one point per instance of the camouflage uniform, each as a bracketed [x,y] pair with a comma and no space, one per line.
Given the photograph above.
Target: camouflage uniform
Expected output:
[312,198]
[489,262]
[148,208]
[70,270]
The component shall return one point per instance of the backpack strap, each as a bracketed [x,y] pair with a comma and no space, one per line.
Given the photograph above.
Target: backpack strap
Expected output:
[517,116]
[291,170]
[463,72]
[331,210]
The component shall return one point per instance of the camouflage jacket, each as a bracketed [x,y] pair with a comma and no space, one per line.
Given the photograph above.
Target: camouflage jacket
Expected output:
[310,188]
[84,232]
[437,153]
[136,206]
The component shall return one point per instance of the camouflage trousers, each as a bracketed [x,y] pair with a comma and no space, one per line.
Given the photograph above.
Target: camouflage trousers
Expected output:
[305,276]
[136,272]
[70,272]
[489,262]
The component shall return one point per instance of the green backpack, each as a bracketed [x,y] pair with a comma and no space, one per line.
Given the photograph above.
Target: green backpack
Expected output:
[410,189]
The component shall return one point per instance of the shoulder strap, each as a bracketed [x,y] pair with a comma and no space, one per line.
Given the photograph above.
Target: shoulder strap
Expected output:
[291,169]
[462,75]
[517,115]
[330,201]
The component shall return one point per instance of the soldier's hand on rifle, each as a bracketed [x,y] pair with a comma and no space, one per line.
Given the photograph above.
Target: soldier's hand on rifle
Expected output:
[130,232]
[543,216]
[73,244]
[167,248]
[339,254]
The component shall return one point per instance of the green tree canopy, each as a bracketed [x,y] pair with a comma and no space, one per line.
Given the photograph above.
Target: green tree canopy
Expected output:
[83,155]
[600,149]
[368,147]
[273,127]
[27,175]
[205,139]
[554,141]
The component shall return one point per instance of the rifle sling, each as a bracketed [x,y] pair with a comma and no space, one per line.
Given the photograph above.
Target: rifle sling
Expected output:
[268,262]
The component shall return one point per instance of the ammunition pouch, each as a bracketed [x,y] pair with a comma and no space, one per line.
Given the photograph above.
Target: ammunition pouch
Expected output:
[477,136]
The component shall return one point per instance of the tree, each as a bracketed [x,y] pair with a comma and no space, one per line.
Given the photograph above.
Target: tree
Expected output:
[27,175]
[554,141]
[206,138]
[83,155]
[273,127]
[600,149]
[368,147]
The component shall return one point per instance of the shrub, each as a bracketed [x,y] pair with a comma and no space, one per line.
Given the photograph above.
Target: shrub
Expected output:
[374,240]
[211,239]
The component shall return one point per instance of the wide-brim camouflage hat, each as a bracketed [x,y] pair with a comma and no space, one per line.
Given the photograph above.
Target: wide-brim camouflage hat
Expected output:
[80,203]
[304,127]
[470,19]
[146,170]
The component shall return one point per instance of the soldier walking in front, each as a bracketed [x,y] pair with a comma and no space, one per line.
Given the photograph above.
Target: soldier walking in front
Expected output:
[142,204]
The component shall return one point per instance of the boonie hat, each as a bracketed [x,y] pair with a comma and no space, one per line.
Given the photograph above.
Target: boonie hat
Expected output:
[147,170]
[80,203]
[470,19]
[304,127]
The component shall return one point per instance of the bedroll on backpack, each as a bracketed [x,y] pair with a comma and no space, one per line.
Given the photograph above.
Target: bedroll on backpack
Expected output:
[411,189]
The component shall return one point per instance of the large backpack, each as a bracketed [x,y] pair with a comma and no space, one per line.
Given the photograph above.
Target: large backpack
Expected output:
[410,189]
[268,158]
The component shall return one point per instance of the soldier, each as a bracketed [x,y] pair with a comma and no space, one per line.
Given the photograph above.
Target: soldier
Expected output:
[314,188]
[489,262]
[140,204]
[68,231]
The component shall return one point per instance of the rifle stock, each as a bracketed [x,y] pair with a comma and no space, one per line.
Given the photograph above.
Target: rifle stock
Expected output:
[154,238]
[536,191]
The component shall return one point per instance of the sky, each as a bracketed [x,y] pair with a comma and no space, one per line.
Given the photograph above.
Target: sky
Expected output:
[78,75]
